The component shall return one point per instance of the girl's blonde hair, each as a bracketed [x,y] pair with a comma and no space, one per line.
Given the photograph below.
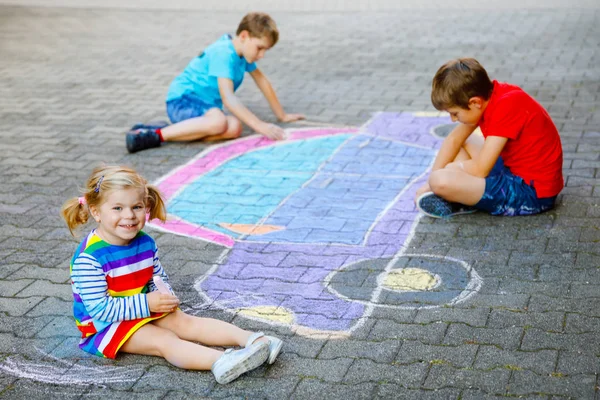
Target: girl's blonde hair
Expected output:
[103,180]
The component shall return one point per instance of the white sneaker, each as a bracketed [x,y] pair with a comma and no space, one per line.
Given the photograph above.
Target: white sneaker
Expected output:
[233,363]
[275,345]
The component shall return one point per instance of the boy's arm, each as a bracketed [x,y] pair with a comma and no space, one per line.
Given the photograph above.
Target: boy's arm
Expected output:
[448,152]
[483,163]
[452,145]
[267,90]
[234,105]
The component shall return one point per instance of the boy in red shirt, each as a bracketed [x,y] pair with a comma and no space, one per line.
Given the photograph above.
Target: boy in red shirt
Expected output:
[515,168]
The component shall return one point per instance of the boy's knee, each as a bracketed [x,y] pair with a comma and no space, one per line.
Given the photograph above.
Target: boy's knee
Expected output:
[439,182]
[234,128]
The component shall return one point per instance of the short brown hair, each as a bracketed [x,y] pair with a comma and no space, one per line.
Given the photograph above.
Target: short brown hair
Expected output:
[259,25]
[457,81]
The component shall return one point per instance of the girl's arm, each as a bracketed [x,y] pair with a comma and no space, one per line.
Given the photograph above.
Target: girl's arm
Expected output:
[90,282]
[159,271]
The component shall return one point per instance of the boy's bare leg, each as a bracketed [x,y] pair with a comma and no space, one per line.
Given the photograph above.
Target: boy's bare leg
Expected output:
[154,340]
[470,149]
[212,124]
[234,130]
[457,186]
[209,331]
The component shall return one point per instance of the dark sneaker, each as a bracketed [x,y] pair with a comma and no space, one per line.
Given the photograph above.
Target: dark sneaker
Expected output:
[150,125]
[142,139]
[436,207]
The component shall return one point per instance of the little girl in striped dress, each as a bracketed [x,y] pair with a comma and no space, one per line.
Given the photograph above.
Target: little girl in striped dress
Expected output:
[118,307]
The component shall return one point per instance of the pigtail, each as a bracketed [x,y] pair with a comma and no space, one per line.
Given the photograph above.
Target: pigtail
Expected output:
[75,213]
[156,205]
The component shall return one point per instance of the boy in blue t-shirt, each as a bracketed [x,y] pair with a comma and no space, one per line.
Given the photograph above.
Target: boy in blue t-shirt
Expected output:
[196,97]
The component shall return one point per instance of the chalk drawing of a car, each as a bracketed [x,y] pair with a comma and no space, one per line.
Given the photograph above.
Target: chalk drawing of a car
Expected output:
[315,229]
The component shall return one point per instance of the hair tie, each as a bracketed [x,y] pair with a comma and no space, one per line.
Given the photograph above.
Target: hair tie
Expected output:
[82,200]
[97,190]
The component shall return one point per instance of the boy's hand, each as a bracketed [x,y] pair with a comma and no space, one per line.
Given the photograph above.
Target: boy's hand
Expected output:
[291,117]
[159,302]
[423,189]
[271,131]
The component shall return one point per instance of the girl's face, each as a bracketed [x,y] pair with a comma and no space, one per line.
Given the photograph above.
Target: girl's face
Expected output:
[121,216]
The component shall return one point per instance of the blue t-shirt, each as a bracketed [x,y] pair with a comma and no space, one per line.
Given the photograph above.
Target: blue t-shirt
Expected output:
[199,78]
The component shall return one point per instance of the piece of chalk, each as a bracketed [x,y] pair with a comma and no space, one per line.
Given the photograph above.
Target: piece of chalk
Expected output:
[160,285]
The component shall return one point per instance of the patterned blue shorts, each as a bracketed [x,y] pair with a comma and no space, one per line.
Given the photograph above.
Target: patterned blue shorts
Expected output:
[508,194]
[186,107]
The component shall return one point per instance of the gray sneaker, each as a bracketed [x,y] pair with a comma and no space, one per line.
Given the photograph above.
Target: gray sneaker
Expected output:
[275,345]
[233,363]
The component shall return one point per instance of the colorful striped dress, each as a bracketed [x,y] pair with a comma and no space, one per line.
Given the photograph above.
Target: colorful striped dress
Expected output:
[109,284]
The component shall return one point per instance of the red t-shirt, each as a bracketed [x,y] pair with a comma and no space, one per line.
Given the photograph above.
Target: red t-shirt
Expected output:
[533,150]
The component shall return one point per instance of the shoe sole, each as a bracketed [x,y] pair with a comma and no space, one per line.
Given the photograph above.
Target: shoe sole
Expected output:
[439,216]
[252,360]
[275,352]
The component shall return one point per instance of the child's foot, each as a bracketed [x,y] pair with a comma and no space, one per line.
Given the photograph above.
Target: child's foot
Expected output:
[436,207]
[142,139]
[234,363]
[150,125]
[275,344]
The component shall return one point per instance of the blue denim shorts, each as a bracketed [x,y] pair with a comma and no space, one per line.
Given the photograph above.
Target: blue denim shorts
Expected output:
[508,194]
[186,107]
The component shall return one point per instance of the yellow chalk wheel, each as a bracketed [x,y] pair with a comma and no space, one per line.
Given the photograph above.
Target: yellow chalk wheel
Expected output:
[410,280]
[270,313]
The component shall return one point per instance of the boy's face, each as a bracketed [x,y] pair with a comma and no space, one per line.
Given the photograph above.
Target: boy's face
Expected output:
[467,116]
[253,49]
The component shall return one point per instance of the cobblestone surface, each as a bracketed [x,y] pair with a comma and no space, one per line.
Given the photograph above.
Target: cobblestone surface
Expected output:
[72,81]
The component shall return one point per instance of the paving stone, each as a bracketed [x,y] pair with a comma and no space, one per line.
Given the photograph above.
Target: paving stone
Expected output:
[577,363]
[384,351]
[310,388]
[248,387]
[577,323]
[27,389]
[540,362]
[536,339]
[441,376]
[476,394]
[326,370]
[363,370]
[62,291]
[21,327]
[414,351]
[527,382]
[51,306]
[469,316]
[550,321]
[428,333]
[507,338]
[35,272]
[16,306]
[159,377]
[389,391]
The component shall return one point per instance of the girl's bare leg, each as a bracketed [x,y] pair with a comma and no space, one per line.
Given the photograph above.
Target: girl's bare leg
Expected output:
[208,331]
[154,340]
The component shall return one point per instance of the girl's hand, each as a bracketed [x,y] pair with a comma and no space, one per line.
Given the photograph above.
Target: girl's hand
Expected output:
[160,303]
[291,117]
